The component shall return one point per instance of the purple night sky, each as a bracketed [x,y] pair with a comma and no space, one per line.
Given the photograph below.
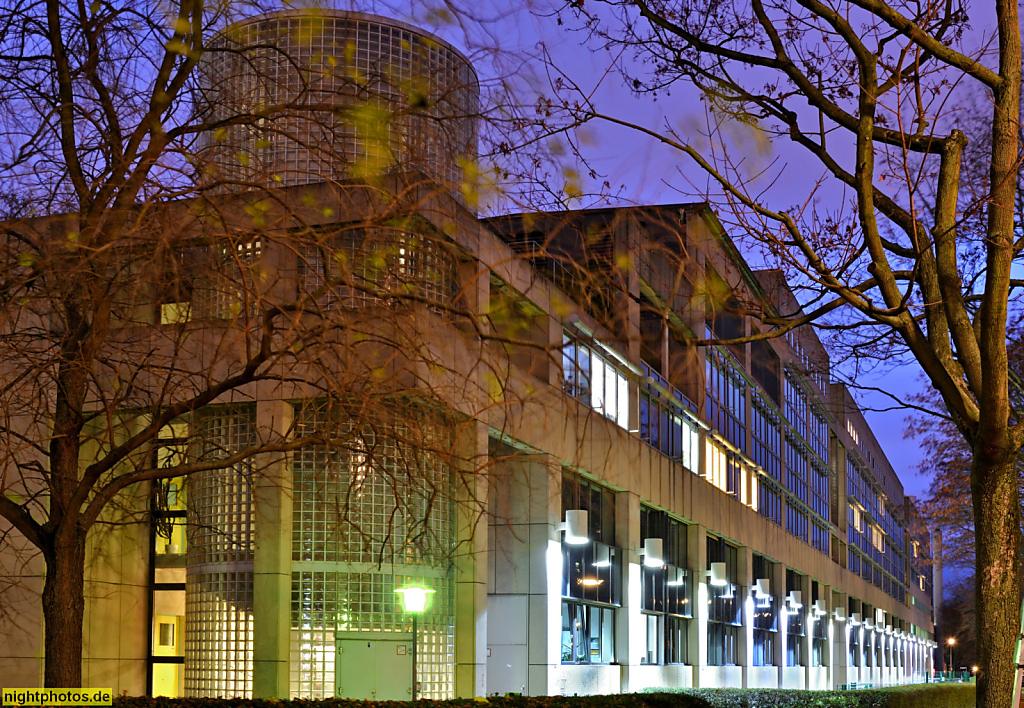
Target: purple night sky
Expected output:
[640,170]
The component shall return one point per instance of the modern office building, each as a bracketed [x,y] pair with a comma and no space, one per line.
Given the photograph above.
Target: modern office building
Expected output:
[594,504]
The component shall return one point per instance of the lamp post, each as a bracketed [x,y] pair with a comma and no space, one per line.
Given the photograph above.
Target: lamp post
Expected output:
[414,601]
[951,642]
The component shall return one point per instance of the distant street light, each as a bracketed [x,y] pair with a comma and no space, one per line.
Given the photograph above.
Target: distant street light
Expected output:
[951,642]
[414,601]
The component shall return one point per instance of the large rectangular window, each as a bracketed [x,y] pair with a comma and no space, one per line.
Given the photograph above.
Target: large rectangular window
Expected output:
[795,405]
[666,591]
[796,521]
[769,500]
[588,634]
[726,398]
[818,498]
[766,446]
[594,377]
[819,435]
[591,575]
[766,628]
[724,606]
[795,631]
[796,468]
[819,627]
[598,501]
[664,425]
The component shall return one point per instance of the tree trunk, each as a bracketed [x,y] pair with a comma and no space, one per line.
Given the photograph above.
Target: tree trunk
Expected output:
[64,612]
[997,590]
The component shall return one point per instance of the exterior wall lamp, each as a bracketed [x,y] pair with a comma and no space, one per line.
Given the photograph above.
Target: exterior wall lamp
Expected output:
[576,526]
[653,552]
[414,601]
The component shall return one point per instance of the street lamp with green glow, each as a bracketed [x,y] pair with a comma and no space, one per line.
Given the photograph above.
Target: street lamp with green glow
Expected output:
[414,601]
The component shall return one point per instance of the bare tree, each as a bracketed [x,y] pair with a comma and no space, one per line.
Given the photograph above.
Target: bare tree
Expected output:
[864,88]
[160,256]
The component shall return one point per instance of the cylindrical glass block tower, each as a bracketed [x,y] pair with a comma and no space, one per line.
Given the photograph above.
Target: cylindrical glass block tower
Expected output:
[304,96]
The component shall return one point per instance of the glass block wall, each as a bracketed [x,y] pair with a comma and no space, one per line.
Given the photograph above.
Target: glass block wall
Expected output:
[372,512]
[219,570]
[353,267]
[344,94]
[326,602]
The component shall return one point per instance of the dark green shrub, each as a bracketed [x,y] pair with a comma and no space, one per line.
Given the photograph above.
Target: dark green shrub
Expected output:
[947,695]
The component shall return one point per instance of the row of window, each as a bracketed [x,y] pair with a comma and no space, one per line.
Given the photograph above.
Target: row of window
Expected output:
[592,586]
[592,375]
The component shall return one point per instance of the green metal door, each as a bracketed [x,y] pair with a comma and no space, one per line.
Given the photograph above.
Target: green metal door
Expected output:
[374,669]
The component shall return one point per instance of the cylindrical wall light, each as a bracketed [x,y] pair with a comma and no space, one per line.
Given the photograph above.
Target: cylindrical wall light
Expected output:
[576,527]
[654,556]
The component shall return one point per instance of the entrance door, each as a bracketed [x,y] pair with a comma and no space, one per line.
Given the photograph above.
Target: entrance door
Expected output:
[374,669]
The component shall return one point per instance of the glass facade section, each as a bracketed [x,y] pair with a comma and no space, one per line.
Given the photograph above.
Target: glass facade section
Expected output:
[594,378]
[726,398]
[725,616]
[795,630]
[796,522]
[666,591]
[591,584]
[765,620]
[819,434]
[766,441]
[769,502]
[795,405]
[663,424]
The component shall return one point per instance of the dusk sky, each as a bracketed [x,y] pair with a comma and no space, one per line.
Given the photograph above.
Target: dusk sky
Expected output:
[642,171]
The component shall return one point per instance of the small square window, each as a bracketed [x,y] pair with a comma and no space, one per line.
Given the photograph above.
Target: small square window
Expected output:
[166,634]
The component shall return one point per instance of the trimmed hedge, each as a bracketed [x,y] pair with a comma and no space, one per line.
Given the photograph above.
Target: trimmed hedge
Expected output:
[943,695]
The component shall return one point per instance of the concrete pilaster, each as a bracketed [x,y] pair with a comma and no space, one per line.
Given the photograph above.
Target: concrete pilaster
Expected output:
[780,592]
[524,600]
[838,642]
[808,614]
[745,579]
[272,578]
[630,639]
[697,550]
[471,572]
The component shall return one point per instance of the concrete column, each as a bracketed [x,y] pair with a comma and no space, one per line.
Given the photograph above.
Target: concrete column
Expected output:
[697,551]
[471,572]
[272,576]
[780,592]
[630,638]
[745,579]
[808,614]
[839,656]
[525,573]
[826,597]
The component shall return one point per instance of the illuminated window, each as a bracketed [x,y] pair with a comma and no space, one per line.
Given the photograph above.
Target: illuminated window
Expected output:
[594,378]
